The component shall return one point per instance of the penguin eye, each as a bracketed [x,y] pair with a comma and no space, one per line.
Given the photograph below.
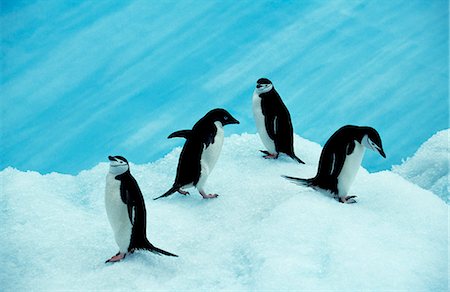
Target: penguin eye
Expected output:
[225,118]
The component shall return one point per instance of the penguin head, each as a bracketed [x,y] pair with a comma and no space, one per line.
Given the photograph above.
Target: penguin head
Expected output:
[371,140]
[118,165]
[222,116]
[263,85]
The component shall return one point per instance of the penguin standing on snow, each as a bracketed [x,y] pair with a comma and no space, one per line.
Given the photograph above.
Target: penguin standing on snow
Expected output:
[340,161]
[125,208]
[273,121]
[200,152]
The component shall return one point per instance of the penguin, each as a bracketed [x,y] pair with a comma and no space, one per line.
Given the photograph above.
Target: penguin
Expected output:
[200,152]
[341,159]
[273,121]
[125,208]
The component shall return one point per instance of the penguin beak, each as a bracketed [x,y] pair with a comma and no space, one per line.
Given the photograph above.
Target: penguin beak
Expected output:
[111,158]
[258,86]
[381,151]
[233,121]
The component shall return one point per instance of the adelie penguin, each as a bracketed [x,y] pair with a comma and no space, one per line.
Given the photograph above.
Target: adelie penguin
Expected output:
[340,161]
[125,208]
[273,121]
[200,152]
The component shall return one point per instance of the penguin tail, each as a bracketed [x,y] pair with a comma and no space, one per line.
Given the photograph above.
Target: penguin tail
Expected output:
[146,245]
[168,193]
[307,182]
[180,134]
[159,251]
[293,156]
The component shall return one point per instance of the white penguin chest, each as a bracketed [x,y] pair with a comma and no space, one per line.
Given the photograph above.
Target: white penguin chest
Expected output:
[350,168]
[261,124]
[117,213]
[211,153]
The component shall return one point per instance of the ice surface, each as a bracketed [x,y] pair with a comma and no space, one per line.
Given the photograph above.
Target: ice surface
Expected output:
[429,167]
[262,232]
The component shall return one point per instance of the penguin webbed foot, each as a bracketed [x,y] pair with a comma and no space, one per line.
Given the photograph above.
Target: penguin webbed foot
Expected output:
[269,155]
[208,196]
[118,257]
[347,199]
[183,192]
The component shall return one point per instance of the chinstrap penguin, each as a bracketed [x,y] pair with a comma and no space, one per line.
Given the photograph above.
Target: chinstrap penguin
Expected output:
[200,152]
[125,208]
[273,121]
[341,159]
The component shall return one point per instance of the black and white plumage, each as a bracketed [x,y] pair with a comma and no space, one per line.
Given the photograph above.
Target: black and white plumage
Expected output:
[200,152]
[273,121]
[126,212]
[341,159]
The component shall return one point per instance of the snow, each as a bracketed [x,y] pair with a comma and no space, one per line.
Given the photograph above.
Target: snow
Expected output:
[429,167]
[262,232]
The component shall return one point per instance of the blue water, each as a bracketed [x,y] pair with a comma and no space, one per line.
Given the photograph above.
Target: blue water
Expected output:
[82,80]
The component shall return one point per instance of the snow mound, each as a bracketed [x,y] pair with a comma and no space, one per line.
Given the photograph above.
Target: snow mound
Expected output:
[429,167]
[262,232]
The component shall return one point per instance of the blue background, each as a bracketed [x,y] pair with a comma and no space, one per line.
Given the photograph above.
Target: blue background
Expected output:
[82,80]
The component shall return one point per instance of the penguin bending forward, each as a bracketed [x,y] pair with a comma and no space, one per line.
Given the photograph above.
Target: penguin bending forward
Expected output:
[200,152]
[125,208]
[273,121]
[340,161]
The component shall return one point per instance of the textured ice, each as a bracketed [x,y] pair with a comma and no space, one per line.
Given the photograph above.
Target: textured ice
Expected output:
[119,76]
[262,232]
[429,167]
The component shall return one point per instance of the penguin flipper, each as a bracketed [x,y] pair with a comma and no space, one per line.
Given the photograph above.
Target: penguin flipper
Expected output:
[129,193]
[130,213]
[168,193]
[285,139]
[180,134]
[271,126]
[338,164]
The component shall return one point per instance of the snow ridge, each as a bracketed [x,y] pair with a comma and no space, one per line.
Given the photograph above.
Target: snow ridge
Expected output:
[429,166]
[262,232]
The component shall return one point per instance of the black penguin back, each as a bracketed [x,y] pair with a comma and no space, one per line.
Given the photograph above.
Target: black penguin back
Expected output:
[188,169]
[278,122]
[333,155]
[200,137]
[131,195]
